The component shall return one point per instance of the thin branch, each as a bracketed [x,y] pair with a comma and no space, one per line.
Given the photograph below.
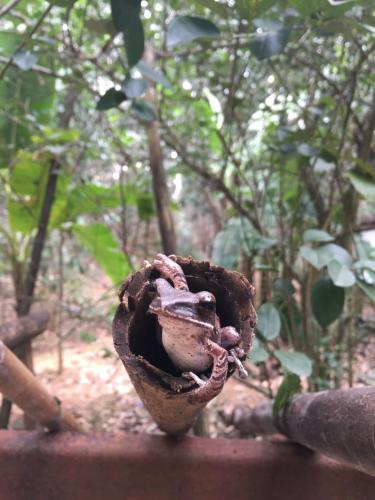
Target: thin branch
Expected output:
[4,10]
[38,69]
[25,41]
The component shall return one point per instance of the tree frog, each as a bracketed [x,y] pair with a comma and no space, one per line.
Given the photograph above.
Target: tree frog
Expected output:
[191,331]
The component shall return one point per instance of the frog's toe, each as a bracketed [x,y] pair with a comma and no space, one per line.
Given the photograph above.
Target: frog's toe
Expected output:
[191,375]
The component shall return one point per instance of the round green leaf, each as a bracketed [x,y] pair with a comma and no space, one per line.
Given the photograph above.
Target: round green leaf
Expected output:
[327,301]
[364,184]
[269,323]
[153,74]
[316,235]
[111,99]
[185,29]
[143,110]
[25,59]
[340,274]
[295,362]
[258,354]
[269,44]
[368,289]
[323,255]
[284,287]
[134,87]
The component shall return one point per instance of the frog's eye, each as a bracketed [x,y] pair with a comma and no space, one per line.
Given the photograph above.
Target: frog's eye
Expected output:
[208,303]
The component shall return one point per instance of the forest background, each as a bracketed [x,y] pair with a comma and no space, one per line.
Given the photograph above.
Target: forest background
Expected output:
[238,131]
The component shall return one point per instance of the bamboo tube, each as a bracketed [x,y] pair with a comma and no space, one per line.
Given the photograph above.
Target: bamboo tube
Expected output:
[338,423]
[170,399]
[21,387]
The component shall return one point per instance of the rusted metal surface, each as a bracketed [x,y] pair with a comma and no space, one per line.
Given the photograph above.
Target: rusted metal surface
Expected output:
[166,394]
[71,466]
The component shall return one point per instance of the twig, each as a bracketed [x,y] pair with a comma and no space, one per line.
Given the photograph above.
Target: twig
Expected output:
[249,384]
[28,37]
[8,7]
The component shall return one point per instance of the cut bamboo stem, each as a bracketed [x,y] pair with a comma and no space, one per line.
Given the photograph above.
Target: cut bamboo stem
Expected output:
[19,385]
[340,424]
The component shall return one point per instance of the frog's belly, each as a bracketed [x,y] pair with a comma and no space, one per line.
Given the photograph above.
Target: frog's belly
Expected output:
[185,355]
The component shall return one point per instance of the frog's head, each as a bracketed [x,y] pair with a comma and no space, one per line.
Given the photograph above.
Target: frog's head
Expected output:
[183,306]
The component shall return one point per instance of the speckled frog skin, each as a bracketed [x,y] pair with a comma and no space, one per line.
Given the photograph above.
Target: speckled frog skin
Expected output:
[191,331]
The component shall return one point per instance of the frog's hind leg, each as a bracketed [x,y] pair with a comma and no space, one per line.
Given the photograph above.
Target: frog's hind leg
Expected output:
[170,270]
[215,383]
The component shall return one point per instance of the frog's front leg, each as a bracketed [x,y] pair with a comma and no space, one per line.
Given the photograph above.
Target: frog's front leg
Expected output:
[229,339]
[211,388]
[170,270]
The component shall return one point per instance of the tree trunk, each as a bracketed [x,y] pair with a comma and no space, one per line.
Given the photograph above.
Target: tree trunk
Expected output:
[159,178]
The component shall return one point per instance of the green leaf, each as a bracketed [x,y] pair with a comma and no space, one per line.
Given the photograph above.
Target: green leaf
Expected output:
[134,87]
[125,13]
[368,289]
[284,287]
[311,255]
[365,264]
[323,255]
[340,274]
[186,29]
[60,135]
[143,110]
[27,98]
[99,241]
[62,3]
[25,59]
[364,184]
[266,45]
[27,183]
[134,39]
[307,150]
[153,74]
[86,198]
[126,19]
[327,301]
[291,384]
[269,322]
[295,362]
[258,354]
[316,236]
[145,206]
[111,99]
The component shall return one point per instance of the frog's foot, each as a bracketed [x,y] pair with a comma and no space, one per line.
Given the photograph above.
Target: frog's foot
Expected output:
[216,381]
[170,270]
[193,376]
[233,358]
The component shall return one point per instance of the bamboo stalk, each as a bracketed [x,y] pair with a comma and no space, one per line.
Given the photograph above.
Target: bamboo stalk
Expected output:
[338,423]
[21,387]
[173,402]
